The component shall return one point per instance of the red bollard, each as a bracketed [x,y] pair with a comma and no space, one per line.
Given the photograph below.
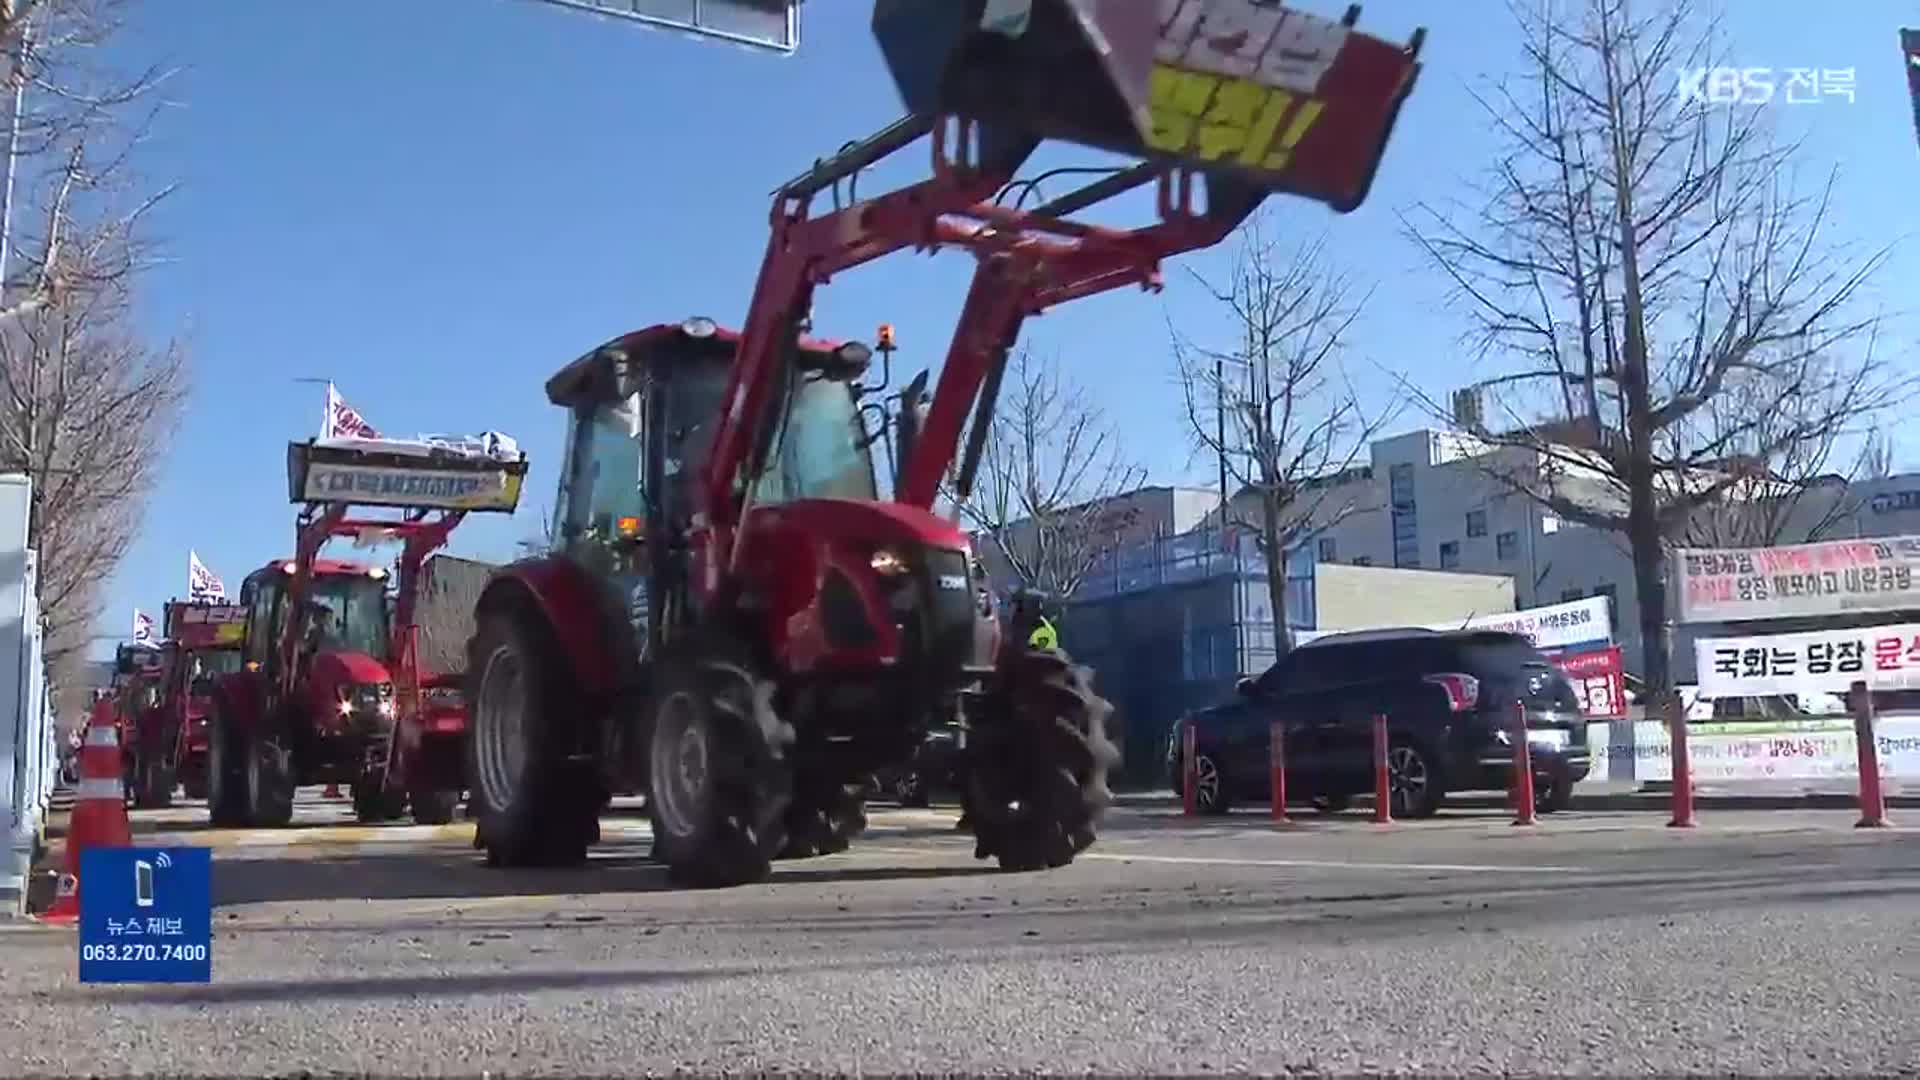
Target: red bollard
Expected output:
[1682,766]
[1382,778]
[1873,800]
[1189,771]
[1522,783]
[1277,768]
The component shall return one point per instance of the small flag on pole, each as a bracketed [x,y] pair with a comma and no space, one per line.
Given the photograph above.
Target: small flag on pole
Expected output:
[1910,51]
[343,421]
[142,627]
[202,584]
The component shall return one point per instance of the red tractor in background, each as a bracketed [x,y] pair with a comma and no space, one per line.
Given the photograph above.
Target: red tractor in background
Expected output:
[134,694]
[734,618]
[169,747]
[331,691]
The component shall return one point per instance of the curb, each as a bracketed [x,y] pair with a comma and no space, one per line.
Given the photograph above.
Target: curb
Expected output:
[1615,802]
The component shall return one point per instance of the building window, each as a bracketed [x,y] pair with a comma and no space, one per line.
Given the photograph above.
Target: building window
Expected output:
[1406,529]
[1450,555]
[1327,549]
[1507,544]
[1476,523]
[1362,560]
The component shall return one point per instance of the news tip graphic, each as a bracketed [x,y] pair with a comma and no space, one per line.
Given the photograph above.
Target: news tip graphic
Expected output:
[146,915]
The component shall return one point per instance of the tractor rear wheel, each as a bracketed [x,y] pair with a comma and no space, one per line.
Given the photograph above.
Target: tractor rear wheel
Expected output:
[534,804]
[226,776]
[825,822]
[1036,787]
[719,781]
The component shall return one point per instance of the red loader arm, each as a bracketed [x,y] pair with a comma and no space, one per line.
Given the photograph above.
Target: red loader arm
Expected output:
[1254,98]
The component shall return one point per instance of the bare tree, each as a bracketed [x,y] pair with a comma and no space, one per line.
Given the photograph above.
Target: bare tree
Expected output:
[1642,253]
[1051,479]
[1274,406]
[87,407]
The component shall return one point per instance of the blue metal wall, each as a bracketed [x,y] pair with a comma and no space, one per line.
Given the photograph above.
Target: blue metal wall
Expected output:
[1170,624]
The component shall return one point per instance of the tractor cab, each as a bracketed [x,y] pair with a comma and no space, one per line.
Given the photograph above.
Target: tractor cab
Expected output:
[340,650]
[641,413]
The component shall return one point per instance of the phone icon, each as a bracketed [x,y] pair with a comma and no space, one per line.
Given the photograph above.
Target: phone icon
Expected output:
[142,883]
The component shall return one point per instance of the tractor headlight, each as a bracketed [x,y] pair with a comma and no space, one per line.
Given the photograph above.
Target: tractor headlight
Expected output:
[888,563]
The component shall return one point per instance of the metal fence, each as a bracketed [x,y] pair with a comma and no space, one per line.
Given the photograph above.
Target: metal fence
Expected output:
[1169,624]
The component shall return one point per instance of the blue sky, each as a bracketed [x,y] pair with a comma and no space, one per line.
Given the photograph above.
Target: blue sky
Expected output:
[436,203]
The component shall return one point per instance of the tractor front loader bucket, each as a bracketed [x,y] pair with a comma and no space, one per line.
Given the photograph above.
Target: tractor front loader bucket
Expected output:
[1262,96]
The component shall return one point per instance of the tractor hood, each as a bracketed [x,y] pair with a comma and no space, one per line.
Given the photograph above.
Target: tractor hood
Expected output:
[347,668]
[851,519]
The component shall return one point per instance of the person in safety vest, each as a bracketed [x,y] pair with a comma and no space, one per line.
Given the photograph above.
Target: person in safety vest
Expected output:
[1029,606]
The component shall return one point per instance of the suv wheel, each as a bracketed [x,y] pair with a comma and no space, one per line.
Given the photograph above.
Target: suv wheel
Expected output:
[1210,787]
[1413,782]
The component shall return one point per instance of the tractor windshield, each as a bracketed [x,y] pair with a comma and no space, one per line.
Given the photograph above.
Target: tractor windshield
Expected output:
[821,451]
[207,665]
[348,613]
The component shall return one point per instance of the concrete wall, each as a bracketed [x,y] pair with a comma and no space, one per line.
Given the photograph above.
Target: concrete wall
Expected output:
[1361,597]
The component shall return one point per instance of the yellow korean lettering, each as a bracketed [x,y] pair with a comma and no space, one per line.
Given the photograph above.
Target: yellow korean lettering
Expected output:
[1230,120]
[1176,100]
[1296,129]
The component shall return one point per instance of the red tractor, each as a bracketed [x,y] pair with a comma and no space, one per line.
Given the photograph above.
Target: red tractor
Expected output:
[133,696]
[734,620]
[331,691]
[169,746]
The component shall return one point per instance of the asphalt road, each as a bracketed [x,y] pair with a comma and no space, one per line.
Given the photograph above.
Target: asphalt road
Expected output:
[1772,943]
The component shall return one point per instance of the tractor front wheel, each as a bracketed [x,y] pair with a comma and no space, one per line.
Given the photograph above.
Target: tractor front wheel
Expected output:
[825,822]
[434,806]
[1036,785]
[225,771]
[534,805]
[719,782]
[269,777]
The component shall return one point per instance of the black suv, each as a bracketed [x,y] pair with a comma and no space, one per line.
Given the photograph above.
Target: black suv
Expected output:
[1449,698]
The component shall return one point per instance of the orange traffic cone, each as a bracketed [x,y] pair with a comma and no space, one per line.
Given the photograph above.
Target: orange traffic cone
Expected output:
[99,817]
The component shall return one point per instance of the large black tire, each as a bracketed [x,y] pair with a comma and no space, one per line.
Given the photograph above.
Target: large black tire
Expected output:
[373,804]
[1211,794]
[1415,785]
[269,783]
[435,807]
[825,823]
[226,772]
[533,803]
[719,780]
[194,785]
[1037,779]
[156,784]
[1553,792]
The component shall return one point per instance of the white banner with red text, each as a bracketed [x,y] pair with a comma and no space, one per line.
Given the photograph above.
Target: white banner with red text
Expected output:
[1797,580]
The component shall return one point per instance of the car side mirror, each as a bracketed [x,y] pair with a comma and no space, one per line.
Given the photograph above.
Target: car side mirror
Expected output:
[1247,688]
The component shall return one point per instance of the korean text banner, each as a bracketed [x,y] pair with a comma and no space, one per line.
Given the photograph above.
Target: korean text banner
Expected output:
[1821,661]
[1797,580]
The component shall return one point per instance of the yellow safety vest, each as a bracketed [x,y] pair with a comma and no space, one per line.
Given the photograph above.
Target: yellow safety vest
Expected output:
[1044,636]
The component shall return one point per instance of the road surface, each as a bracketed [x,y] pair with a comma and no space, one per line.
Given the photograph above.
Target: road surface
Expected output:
[1779,942]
